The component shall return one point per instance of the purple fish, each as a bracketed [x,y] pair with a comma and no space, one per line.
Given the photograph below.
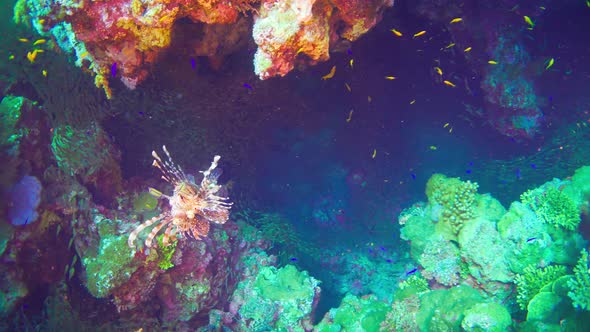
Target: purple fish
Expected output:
[114,69]
[247,86]
[193,63]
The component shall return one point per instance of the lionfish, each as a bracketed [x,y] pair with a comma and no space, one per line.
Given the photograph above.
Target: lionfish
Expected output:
[192,206]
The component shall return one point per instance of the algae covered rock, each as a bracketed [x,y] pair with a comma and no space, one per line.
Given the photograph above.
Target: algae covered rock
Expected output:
[354,314]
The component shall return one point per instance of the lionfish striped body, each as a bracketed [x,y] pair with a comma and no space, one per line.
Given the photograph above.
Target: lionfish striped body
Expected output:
[192,206]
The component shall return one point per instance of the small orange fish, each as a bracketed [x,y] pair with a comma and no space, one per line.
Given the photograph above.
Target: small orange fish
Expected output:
[369,99]
[348,87]
[449,83]
[349,116]
[456,20]
[421,33]
[413,102]
[397,33]
[330,74]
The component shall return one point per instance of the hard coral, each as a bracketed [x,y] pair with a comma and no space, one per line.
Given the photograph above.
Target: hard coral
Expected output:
[286,30]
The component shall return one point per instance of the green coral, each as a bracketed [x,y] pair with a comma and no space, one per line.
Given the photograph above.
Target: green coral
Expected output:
[533,280]
[553,207]
[457,198]
[580,284]
[286,293]
[354,314]
[165,253]
[112,266]
[490,317]
[416,282]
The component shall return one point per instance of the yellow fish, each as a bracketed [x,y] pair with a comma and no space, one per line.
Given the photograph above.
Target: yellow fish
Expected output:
[397,33]
[390,78]
[550,63]
[348,87]
[451,130]
[83,55]
[32,56]
[456,20]
[23,40]
[39,41]
[438,71]
[155,192]
[11,57]
[330,74]
[450,45]
[449,83]
[374,153]
[433,147]
[351,63]
[529,22]
[421,33]
[467,49]
[44,72]
[446,125]
[493,62]
[299,50]
[42,21]
[349,116]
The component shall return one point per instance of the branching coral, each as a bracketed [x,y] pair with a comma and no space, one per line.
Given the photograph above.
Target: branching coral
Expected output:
[580,284]
[456,197]
[533,279]
[553,207]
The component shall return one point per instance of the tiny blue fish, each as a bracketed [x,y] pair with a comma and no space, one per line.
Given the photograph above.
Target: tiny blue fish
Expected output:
[529,240]
[388,260]
[247,86]
[349,51]
[140,113]
[471,163]
[193,63]
[468,171]
[413,176]
[533,166]
[293,259]
[412,271]
[382,249]
[114,69]
[518,175]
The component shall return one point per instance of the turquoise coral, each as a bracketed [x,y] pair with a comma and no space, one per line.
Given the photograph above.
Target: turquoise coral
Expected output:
[580,284]
[533,279]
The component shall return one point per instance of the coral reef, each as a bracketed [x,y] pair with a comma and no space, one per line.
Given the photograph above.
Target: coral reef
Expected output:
[354,314]
[122,39]
[580,283]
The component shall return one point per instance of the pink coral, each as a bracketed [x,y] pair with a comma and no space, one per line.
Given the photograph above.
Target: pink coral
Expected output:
[292,32]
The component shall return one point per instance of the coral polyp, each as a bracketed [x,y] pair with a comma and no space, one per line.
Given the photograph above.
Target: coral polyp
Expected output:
[192,206]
